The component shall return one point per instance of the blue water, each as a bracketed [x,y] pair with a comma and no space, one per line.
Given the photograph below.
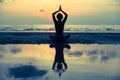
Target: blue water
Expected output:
[68,28]
[84,62]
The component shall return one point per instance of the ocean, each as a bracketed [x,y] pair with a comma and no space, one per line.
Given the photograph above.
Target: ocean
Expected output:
[68,28]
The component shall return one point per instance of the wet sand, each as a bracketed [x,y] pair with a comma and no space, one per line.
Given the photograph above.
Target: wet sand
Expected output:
[43,38]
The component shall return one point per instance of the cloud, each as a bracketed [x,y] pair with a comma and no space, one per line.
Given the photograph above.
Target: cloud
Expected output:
[94,52]
[2,49]
[1,55]
[26,71]
[116,2]
[7,1]
[15,50]
[105,56]
[93,58]
[1,0]
[76,54]
[42,10]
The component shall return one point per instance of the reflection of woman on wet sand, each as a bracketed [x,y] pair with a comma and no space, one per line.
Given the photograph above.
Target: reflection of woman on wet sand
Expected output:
[59,22]
[59,64]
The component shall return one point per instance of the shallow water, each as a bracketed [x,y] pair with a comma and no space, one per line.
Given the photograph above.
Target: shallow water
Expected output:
[83,62]
[68,28]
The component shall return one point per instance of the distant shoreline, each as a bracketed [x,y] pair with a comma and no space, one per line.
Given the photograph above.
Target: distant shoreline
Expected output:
[43,38]
[52,32]
[67,28]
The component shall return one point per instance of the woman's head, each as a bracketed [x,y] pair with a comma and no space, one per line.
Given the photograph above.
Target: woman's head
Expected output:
[59,16]
[59,66]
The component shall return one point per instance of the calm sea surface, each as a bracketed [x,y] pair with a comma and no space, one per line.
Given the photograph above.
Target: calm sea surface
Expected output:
[42,62]
[69,28]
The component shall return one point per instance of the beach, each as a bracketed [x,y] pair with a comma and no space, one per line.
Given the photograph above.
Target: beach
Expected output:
[30,54]
[35,62]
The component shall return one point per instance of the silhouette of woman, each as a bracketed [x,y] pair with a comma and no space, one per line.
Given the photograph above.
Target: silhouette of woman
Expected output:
[59,22]
[59,64]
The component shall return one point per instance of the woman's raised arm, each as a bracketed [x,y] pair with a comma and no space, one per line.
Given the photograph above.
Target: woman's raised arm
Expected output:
[53,15]
[66,15]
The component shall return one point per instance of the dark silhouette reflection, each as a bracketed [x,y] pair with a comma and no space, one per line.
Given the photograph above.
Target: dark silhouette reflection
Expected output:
[59,18]
[59,64]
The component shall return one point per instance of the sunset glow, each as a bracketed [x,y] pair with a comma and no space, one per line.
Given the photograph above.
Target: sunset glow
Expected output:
[44,8]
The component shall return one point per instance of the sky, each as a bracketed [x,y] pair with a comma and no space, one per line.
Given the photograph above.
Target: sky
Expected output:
[79,11]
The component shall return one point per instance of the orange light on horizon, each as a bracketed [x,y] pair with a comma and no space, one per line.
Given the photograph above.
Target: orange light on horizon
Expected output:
[45,8]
